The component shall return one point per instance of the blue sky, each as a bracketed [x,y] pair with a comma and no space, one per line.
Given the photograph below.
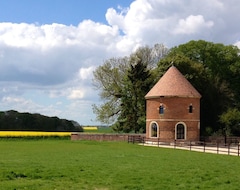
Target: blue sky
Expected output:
[50,48]
[69,12]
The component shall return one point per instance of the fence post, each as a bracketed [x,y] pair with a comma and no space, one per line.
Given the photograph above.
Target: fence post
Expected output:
[190,146]
[204,144]
[217,147]
[175,144]
[238,149]
[228,148]
[158,142]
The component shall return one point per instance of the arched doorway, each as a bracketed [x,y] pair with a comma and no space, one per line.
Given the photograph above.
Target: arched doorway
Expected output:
[154,129]
[181,131]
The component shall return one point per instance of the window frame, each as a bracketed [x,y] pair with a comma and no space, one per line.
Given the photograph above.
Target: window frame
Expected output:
[184,131]
[151,129]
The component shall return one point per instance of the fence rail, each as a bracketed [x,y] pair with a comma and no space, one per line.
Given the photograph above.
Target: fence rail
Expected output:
[231,148]
[136,139]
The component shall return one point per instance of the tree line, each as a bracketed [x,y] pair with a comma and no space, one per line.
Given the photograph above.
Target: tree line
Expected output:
[15,121]
[212,68]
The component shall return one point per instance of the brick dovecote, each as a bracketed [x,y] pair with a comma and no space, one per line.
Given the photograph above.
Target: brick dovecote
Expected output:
[173,109]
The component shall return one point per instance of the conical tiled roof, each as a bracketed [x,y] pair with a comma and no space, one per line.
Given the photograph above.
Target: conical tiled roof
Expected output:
[173,83]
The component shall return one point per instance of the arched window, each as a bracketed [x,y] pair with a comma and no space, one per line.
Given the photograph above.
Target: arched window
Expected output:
[180,131]
[154,130]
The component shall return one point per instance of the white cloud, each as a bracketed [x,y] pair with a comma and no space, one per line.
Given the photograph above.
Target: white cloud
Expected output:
[76,94]
[26,105]
[54,62]
[192,24]
[86,73]
[14,100]
[237,44]
[114,18]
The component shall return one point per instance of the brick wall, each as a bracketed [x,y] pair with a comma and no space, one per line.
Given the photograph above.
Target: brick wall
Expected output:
[101,137]
[176,110]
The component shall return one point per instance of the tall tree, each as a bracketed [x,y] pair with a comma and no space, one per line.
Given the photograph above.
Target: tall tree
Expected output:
[213,70]
[231,121]
[118,87]
[137,84]
[108,79]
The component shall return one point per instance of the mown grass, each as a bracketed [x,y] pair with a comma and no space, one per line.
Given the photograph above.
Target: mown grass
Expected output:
[65,164]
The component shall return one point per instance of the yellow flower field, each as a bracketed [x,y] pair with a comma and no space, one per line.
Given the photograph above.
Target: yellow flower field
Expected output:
[32,134]
[90,128]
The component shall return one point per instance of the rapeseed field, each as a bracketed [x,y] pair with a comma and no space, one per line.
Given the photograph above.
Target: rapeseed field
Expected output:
[33,134]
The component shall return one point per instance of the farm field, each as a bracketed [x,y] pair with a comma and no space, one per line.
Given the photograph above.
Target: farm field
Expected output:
[97,130]
[33,134]
[64,164]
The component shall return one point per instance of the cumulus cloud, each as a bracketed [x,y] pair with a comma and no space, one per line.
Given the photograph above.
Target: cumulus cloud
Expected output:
[192,24]
[237,44]
[26,105]
[86,73]
[165,20]
[28,50]
[54,62]
[76,94]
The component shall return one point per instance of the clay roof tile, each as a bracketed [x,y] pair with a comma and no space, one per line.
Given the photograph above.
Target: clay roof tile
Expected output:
[173,83]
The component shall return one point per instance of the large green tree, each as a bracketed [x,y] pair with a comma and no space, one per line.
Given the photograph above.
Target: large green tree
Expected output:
[214,71]
[137,83]
[231,122]
[108,80]
[123,83]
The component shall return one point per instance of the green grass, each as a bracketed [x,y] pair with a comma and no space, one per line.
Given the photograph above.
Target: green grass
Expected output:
[64,164]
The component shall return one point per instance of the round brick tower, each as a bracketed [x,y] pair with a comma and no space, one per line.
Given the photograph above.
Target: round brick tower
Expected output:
[173,109]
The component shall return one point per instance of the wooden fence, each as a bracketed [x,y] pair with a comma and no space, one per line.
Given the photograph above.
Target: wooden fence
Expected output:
[231,148]
[136,139]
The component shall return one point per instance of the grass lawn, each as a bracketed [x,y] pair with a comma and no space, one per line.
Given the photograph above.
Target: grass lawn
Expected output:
[64,164]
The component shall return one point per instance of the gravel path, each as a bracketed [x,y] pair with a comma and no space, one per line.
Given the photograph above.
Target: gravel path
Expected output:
[233,150]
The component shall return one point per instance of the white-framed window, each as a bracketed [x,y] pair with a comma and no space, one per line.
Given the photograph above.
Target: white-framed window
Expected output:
[154,129]
[180,131]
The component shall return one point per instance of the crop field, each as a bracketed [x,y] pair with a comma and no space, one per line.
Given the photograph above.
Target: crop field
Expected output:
[62,164]
[33,134]
[97,130]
